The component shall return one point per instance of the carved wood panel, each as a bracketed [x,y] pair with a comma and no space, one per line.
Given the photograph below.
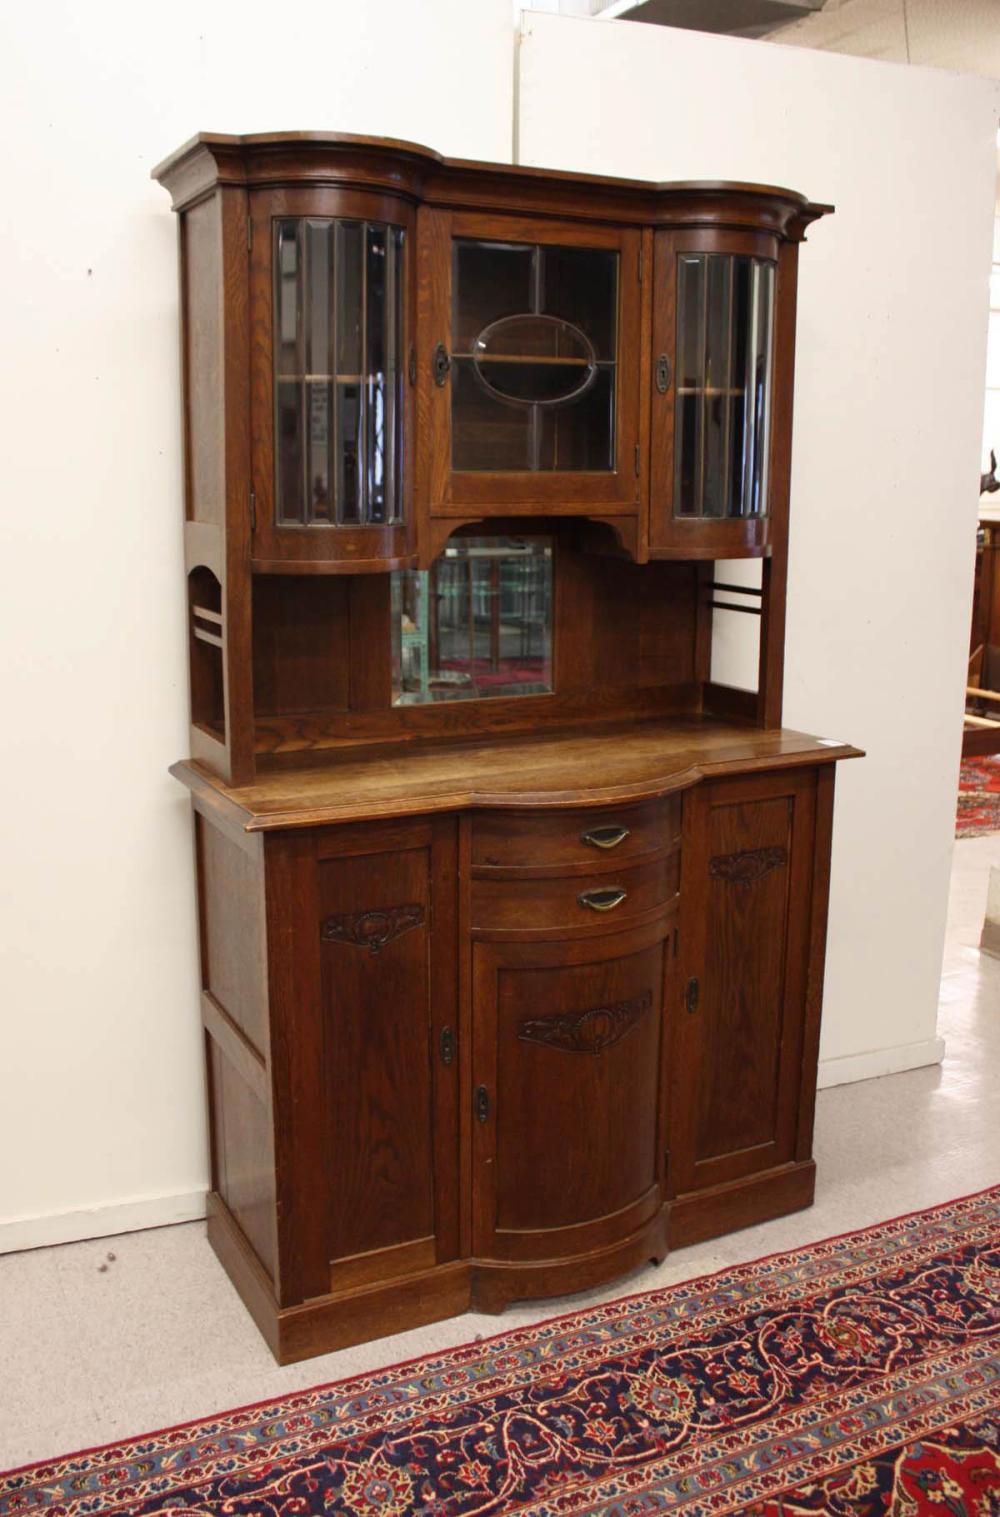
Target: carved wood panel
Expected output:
[589,1031]
[372,929]
[747,866]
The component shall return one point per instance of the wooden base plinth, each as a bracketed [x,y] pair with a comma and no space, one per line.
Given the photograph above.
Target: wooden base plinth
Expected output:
[742,1203]
[332,1322]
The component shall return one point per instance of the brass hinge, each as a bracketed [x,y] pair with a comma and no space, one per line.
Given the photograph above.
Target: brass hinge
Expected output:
[253,510]
[637,460]
[249,233]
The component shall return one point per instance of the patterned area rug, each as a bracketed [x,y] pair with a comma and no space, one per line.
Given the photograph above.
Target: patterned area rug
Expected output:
[978,798]
[860,1375]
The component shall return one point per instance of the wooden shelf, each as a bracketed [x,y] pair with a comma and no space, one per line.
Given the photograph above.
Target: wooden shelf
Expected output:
[339,379]
[710,390]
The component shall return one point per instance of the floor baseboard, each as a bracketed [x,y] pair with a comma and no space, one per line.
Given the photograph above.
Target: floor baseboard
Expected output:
[879,1061]
[101,1221]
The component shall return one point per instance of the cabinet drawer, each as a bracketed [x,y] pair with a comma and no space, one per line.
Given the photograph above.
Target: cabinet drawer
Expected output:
[605,898]
[586,837]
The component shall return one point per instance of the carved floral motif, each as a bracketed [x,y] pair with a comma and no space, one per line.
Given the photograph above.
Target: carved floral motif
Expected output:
[589,1031]
[747,867]
[372,929]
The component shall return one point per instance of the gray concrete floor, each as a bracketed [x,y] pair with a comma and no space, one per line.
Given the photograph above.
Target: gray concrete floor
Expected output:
[95,1348]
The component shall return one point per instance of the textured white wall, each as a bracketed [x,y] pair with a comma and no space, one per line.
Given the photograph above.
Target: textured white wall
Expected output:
[888,409]
[101,1122]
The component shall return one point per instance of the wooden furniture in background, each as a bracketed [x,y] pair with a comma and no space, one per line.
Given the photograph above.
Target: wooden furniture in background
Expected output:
[502,995]
[982,695]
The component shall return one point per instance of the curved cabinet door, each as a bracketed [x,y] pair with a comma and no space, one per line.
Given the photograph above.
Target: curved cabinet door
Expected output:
[567,1137]
[719,413]
[330,297]
[528,366]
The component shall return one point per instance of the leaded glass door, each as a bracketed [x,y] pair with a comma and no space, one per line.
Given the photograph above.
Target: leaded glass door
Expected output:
[529,365]
[331,360]
[713,393]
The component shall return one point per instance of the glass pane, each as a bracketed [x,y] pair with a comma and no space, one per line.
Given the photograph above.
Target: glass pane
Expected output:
[487,433]
[718,384]
[580,437]
[737,443]
[581,286]
[349,490]
[289,400]
[375,371]
[533,380]
[338,335]
[534,358]
[763,321]
[691,303]
[725,320]
[475,626]
[350,284]
[489,280]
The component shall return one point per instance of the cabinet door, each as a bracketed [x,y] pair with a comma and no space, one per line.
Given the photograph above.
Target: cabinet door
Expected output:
[712,432]
[529,365]
[363,948]
[740,1008]
[567,1056]
[330,298]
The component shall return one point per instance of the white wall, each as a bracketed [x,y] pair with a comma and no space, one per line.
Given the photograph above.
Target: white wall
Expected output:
[888,410]
[957,34]
[101,1106]
[101,1122]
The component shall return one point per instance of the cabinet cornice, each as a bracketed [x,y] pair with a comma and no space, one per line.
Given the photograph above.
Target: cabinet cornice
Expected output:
[345,160]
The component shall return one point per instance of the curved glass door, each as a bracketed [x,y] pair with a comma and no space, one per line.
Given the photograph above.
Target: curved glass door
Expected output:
[722,428]
[535,332]
[338,372]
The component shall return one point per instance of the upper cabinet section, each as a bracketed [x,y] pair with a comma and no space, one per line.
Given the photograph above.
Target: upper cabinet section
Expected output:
[382,346]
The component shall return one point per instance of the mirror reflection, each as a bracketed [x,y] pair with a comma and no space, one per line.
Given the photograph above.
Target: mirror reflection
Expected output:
[476,625]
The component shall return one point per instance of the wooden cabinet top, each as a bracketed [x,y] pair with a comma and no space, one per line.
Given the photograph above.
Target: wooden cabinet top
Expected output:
[617,763]
[416,173]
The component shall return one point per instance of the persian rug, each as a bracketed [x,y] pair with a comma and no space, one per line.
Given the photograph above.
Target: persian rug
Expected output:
[860,1375]
[978,798]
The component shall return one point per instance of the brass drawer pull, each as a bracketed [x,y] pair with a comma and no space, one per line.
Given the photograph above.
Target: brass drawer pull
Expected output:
[604,837]
[604,899]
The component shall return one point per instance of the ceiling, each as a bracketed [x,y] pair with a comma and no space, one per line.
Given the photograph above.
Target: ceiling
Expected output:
[738,18]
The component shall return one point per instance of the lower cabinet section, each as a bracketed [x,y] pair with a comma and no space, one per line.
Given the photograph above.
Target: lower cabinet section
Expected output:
[437,1109]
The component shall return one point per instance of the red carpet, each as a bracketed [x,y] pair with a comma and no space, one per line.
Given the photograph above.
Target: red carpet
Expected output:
[978,799]
[860,1375]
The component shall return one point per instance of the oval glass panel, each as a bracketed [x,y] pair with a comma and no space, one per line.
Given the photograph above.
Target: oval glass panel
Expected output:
[534,360]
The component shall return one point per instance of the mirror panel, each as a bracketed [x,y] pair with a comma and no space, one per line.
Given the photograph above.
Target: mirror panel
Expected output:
[476,625]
